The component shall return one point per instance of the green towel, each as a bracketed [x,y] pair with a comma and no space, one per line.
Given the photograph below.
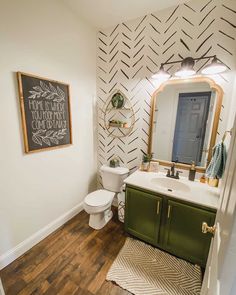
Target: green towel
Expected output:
[217,165]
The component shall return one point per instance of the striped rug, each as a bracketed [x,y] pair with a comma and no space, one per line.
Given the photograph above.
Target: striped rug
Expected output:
[144,270]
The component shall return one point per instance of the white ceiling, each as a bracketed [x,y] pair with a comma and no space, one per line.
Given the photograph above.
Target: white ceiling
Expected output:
[106,13]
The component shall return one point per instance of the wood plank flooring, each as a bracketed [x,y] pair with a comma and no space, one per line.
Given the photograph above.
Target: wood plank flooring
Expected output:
[73,260]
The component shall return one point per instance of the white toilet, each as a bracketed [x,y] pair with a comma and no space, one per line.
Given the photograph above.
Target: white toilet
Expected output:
[98,203]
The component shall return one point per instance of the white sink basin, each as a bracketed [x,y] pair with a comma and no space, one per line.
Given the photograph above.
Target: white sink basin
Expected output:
[170,185]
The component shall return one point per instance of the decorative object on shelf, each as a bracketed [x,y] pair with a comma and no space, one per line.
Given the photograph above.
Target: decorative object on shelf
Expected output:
[118,124]
[117,100]
[187,67]
[45,112]
[146,162]
[114,162]
[119,115]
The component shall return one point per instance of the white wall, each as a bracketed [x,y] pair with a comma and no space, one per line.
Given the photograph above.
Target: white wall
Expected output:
[45,39]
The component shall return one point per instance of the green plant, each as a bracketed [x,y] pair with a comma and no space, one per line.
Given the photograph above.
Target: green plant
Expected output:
[117,100]
[114,162]
[147,157]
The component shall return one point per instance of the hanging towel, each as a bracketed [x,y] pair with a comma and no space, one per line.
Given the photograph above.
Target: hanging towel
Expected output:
[217,165]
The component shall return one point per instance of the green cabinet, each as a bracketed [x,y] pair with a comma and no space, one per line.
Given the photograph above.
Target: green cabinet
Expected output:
[143,215]
[183,235]
[168,223]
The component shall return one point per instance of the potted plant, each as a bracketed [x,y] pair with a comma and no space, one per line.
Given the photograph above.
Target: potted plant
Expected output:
[117,100]
[114,162]
[146,161]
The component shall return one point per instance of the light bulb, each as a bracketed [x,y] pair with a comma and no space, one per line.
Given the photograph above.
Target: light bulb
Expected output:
[185,73]
[161,74]
[215,67]
[186,69]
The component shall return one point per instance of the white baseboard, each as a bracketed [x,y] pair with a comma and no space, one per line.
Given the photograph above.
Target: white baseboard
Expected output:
[1,288]
[27,244]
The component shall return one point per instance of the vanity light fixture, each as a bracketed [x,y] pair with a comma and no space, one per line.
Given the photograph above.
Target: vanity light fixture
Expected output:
[187,68]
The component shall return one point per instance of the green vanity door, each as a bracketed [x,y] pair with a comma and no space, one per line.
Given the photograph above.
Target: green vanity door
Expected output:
[183,235]
[142,215]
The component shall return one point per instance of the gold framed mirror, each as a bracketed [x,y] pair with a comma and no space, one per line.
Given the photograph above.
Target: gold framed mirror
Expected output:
[184,120]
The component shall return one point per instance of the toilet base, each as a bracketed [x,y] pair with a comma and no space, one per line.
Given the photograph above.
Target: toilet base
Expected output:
[99,220]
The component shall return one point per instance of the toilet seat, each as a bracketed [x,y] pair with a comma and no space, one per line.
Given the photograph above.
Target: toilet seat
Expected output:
[99,198]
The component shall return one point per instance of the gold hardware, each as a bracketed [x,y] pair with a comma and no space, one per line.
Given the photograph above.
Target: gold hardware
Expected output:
[208,229]
[226,132]
[213,182]
[168,214]
[158,207]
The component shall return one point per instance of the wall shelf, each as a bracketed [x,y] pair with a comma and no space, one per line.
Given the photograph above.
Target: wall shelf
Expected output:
[118,126]
[124,115]
[119,109]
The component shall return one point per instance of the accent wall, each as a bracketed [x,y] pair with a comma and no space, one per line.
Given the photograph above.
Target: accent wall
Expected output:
[129,53]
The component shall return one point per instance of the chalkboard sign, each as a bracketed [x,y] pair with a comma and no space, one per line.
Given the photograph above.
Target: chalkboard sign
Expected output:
[45,111]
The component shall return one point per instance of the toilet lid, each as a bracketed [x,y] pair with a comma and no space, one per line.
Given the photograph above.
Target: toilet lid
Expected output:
[99,198]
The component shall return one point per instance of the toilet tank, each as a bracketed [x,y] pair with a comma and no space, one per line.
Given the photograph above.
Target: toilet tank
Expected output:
[112,178]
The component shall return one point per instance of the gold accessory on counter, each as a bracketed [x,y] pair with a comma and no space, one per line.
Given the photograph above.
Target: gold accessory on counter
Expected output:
[203,179]
[213,182]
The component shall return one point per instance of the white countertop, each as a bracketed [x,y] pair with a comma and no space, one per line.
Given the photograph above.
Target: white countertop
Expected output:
[199,193]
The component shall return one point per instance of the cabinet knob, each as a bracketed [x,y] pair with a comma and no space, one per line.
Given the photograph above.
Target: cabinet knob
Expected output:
[208,229]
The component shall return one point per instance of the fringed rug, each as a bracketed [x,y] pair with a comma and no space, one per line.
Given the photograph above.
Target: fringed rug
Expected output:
[144,270]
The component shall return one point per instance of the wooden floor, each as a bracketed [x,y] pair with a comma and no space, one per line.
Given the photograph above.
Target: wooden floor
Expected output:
[73,260]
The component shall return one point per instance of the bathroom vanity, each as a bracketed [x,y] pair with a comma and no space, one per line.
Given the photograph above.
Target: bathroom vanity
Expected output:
[165,212]
[169,213]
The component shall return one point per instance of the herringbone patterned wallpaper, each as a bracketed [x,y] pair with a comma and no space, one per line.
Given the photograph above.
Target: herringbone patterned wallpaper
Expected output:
[129,53]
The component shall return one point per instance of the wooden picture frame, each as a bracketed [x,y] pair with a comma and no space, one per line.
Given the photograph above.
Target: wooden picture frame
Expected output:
[45,112]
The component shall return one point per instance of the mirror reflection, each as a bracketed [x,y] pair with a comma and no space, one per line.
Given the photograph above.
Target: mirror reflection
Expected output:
[182,123]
